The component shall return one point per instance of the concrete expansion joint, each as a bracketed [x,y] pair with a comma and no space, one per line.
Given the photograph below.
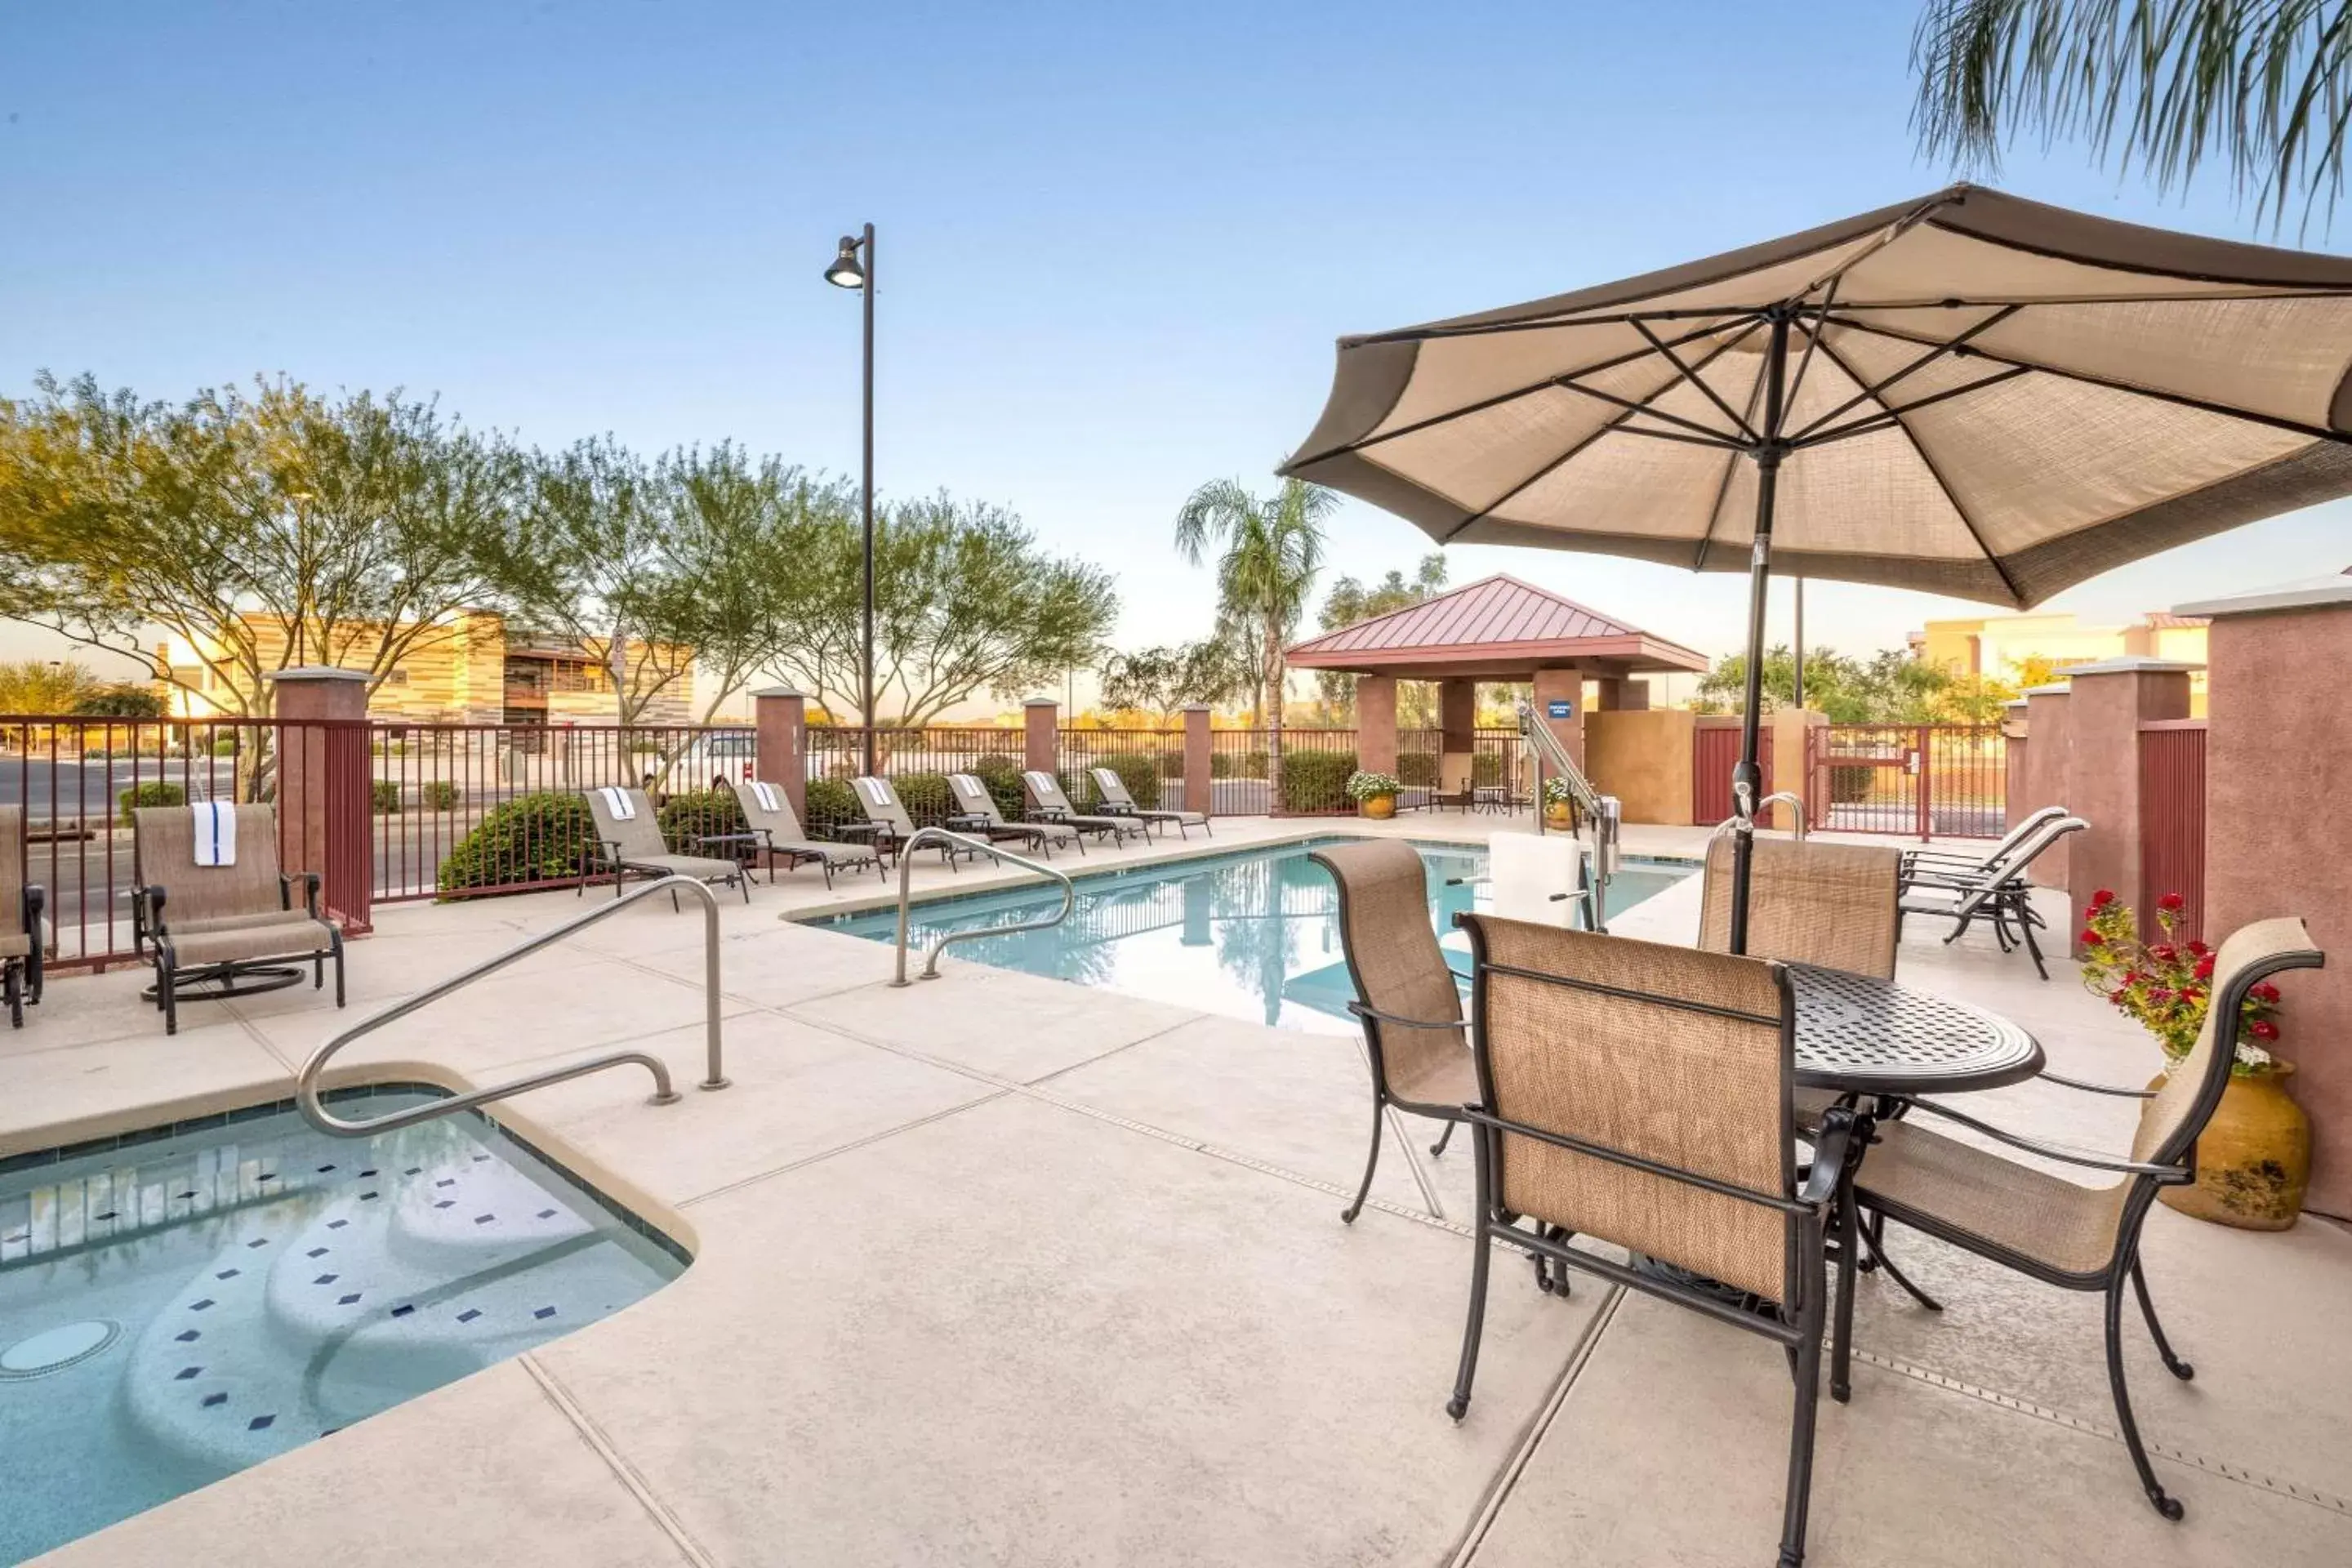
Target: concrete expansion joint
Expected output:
[668,1523]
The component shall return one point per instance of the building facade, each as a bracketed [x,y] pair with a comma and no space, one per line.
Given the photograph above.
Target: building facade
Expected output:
[2017,648]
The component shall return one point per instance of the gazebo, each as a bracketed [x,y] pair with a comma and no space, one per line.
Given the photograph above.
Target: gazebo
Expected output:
[1495,629]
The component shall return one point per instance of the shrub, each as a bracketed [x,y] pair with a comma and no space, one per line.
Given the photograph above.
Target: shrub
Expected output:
[830,801]
[1486,769]
[223,745]
[926,796]
[689,813]
[1316,780]
[437,795]
[1418,769]
[152,792]
[1002,774]
[1171,763]
[1851,786]
[386,795]
[530,838]
[1237,765]
[122,700]
[1138,770]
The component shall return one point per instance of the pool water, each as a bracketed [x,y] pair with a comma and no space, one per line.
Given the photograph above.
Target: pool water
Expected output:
[200,1298]
[1253,934]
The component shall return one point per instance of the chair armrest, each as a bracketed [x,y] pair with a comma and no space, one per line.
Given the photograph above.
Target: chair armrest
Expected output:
[2089,1087]
[1361,1011]
[151,901]
[35,900]
[310,881]
[727,837]
[1832,1146]
[2082,1157]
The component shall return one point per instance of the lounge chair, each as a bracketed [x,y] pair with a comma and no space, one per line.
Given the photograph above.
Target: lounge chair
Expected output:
[977,812]
[629,838]
[1117,802]
[890,822]
[1048,804]
[1455,771]
[1638,1095]
[2063,1234]
[1946,864]
[228,930]
[768,813]
[21,934]
[2000,894]
[1402,984]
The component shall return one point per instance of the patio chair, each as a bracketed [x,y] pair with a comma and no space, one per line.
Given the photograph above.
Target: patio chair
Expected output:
[1454,770]
[1946,864]
[977,811]
[1638,1094]
[629,838]
[1048,804]
[2000,894]
[1402,983]
[22,933]
[889,822]
[2063,1234]
[214,931]
[1117,802]
[768,813]
[1833,906]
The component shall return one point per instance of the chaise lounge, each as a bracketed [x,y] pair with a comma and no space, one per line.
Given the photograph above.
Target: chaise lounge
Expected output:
[21,932]
[767,811]
[629,838]
[221,922]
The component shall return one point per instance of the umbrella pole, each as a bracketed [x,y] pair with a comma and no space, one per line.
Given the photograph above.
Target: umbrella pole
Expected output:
[1747,777]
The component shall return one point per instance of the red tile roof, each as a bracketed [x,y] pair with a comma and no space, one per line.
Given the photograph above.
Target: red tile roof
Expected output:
[1495,618]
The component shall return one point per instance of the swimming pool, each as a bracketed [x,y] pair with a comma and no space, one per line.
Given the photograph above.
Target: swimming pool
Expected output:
[194,1299]
[1253,934]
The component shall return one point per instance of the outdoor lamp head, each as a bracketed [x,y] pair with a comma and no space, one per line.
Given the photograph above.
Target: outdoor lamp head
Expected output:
[846,272]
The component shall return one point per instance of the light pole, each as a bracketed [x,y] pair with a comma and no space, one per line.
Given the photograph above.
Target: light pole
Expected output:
[852,267]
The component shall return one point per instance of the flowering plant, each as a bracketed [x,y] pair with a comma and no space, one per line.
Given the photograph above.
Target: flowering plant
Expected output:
[1556,790]
[1364,786]
[2168,985]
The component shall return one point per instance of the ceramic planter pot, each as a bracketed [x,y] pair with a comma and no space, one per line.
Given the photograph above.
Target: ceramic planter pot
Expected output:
[1379,807]
[2254,1159]
[1556,815]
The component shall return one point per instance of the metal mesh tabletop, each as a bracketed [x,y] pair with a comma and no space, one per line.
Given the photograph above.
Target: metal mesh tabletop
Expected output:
[1855,1032]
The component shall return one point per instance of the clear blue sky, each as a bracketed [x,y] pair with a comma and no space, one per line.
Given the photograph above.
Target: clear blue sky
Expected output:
[1117,243]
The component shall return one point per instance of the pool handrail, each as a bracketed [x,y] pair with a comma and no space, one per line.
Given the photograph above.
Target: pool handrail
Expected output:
[941,836]
[306,1083]
[1778,798]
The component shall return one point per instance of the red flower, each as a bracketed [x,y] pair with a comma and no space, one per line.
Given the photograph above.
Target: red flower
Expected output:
[2191,995]
[2159,993]
[2199,949]
[2172,902]
[2102,899]
[2263,1029]
[2265,992]
[2205,967]
[2165,952]
[2091,938]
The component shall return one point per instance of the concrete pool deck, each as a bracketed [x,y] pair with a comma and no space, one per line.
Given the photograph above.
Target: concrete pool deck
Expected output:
[1001,1269]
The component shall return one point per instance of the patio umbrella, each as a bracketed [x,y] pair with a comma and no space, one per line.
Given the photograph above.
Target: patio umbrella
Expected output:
[1968,394]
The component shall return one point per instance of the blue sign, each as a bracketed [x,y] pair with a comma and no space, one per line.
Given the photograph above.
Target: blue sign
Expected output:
[1559,709]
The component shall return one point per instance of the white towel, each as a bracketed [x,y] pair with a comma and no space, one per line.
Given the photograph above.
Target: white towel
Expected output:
[875,791]
[216,833]
[617,802]
[765,793]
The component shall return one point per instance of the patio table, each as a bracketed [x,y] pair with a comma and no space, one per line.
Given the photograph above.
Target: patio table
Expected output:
[1860,1035]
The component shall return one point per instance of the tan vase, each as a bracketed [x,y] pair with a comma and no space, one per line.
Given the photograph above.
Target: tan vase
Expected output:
[2253,1160]
[1556,815]
[1379,807]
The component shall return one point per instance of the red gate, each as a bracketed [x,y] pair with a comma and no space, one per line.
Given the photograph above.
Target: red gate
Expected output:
[1946,780]
[1714,752]
[2172,819]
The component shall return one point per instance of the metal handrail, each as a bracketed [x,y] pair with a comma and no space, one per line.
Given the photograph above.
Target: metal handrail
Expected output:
[941,836]
[1778,796]
[1540,737]
[306,1084]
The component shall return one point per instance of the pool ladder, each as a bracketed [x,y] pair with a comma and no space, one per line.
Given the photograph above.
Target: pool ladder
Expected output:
[306,1083]
[952,841]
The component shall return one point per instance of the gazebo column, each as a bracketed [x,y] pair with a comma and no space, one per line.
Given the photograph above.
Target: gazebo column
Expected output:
[1621,694]
[1562,687]
[1457,716]
[1376,710]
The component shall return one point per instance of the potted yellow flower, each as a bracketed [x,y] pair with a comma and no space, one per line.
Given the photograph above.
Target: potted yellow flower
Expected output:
[1558,805]
[1374,794]
[2253,1160]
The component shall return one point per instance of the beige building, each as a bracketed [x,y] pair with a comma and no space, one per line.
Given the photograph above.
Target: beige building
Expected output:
[472,674]
[2016,647]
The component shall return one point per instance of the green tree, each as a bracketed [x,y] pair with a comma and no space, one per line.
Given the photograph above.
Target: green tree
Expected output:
[1268,552]
[1159,680]
[1349,602]
[41,686]
[123,700]
[2160,85]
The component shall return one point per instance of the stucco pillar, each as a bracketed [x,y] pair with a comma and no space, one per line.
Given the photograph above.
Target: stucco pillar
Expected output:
[1621,694]
[1199,781]
[780,743]
[326,779]
[2111,699]
[2278,766]
[1790,729]
[2047,766]
[2015,752]
[1376,710]
[1457,716]
[1040,750]
[1553,687]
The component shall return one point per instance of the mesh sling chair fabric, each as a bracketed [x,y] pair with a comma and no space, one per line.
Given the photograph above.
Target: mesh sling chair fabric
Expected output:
[213,930]
[1832,906]
[2075,1237]
[634,843]
[1116,797]
[887,816]
[1047,801]
[1407,998]
[780,835]
[1640,1094]
[974,803]
[22,935]
[1999,893]
[1944,865]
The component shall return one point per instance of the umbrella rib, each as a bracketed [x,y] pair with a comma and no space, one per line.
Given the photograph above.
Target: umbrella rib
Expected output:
[1951,498]
[1691,376]
[1951,301]
[1723,489]
[1951,346]
[1829,304]
[2177,398]
[1871,424]
[1617,422]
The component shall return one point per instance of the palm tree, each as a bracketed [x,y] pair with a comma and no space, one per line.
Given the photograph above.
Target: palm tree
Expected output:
[2163,84]
[1268,550]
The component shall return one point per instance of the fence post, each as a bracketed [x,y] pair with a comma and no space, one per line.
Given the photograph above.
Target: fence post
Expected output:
[2049,769]
[1199,786]
[780,743]
[326,780]
[2014,729]
[2110,700]
[1789,751]
[1042,742]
